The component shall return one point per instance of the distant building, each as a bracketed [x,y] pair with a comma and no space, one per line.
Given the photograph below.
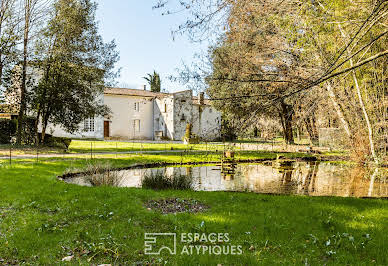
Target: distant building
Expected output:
[146,115]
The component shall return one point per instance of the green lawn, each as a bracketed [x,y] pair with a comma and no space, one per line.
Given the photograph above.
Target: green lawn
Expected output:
[80,146]
[84,146]
[43,220]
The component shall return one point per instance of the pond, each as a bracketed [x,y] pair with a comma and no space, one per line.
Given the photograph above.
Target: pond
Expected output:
[275,177]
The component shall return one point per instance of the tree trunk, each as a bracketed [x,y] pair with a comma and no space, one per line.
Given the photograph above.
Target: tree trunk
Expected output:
[22,107]
[44,127]
[311,129]
[338,109]
[286,115]
[366,116]
[361,101]
[36,126]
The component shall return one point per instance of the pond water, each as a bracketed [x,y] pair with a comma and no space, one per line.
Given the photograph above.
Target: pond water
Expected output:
[299,178]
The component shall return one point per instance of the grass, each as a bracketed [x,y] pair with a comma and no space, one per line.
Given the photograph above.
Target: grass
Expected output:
[102,175]
[43,220]
[84,146]
[160,181]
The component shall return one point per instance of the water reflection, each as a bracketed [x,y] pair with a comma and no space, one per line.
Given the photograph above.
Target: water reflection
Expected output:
[278,177]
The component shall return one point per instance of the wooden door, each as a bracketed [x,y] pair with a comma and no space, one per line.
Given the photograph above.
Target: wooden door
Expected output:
[106,129]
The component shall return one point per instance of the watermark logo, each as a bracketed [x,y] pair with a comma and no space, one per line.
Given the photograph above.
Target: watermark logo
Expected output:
[192,243]
[153,245]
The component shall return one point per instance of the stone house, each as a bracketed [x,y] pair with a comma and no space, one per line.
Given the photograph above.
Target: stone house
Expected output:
[146,115]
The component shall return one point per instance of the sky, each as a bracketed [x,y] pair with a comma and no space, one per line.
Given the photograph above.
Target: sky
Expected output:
[144,40]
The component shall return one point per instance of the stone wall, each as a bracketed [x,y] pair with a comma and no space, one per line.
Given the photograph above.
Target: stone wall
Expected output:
[183,112]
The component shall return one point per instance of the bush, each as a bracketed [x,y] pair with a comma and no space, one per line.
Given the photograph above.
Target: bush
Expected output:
[103,175]
[29,134]
[160,181]
[189,137]
[56,142]
[7,130]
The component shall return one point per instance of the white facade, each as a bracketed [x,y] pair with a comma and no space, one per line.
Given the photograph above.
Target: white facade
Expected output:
[145,115]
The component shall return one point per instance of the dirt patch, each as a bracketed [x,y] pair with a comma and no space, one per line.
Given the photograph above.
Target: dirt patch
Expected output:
[176,205]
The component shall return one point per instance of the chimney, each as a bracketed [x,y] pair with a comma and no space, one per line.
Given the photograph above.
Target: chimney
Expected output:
[201,97]
[145,87]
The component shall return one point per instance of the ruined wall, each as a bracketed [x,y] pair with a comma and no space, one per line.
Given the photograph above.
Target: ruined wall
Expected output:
[183,112]
[210,123]
[207,122]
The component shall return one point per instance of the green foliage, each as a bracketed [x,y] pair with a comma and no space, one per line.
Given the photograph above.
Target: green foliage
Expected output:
[188,132]
[102,174]
[29,130]
[154,81]
[7,130]
[159,181]
[103,225]
[76,66]
[57,142]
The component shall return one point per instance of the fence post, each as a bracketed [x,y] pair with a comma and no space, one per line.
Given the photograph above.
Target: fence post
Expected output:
[10,143]
[91,150]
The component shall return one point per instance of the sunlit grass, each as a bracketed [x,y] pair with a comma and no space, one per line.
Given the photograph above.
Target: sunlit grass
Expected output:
[43,220]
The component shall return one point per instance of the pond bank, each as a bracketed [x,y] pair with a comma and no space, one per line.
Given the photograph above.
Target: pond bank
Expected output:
[43,220]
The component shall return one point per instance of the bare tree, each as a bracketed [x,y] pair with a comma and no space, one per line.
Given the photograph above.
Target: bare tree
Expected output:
[9,33]
[33,13]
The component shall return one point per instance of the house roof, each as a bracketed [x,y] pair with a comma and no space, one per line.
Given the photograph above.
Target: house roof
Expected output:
[145,93]
[133,92]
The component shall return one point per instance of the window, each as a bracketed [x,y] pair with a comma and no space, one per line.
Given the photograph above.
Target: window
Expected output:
[136,125]
[137,106]
[165,108]
[89,125]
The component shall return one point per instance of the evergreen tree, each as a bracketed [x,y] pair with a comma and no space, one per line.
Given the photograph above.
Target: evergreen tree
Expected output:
[75,66]
[154,81]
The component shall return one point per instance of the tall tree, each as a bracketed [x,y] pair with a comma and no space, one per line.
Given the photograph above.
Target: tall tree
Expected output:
[9,34]
[75,65]
[32,13]
[154,81]
[285,51]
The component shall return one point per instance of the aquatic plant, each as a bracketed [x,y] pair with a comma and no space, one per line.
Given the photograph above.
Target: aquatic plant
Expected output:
[102,175]
[161,181]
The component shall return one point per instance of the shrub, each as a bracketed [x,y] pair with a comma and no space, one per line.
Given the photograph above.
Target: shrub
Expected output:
[189,128]
[159,181]
[189,137]
[58,142]
[29,132]
[102,175]
[7,130]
